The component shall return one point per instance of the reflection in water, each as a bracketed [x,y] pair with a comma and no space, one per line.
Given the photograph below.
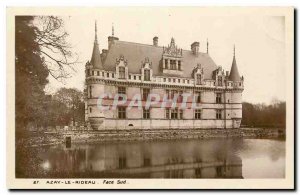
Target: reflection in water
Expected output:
[216,158]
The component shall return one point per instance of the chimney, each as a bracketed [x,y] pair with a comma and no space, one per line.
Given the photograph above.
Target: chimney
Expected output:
[155,41]
[111,40]
[195,48]
[104,54]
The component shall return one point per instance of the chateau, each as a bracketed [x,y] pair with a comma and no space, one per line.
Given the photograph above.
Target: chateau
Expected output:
[168,71]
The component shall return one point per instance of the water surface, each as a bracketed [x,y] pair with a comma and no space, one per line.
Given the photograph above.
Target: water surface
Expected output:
[213,158]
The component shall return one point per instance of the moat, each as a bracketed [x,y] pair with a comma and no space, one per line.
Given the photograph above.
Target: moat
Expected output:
[189,158]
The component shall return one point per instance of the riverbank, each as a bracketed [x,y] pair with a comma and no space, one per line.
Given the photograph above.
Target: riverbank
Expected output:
[53,138]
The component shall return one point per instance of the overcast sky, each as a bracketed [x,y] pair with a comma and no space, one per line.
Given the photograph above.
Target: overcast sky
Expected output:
[259,40]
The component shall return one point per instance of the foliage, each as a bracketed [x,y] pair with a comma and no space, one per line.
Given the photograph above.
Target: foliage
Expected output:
[73,104]
[257,115]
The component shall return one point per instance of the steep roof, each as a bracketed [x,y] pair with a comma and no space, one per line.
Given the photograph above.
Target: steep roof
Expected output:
[234,73]
[96,58]
[135,54]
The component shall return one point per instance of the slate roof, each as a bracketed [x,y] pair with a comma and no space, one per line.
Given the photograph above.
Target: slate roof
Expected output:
[135,54]
[234,73]
[96,58]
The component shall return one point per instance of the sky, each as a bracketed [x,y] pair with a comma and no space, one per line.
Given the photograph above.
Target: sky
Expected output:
[259,40]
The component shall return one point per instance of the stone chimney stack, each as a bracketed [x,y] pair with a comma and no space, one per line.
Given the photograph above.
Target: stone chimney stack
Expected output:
[155,41]
[195,48]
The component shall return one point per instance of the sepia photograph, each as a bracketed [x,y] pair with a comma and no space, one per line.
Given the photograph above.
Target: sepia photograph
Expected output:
[150,97]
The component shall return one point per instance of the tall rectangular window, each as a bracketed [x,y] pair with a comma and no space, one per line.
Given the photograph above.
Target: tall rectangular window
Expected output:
[122,90]
[174,113]
[179,65]
[180,114]
[219,81]
[121,72]
[166,64]
[121,112]
[219,114]
[90,91]
[198,113]
[219,98]
[173,64]
[146,113]
[173,92]
[147,75]
[198,95]
[167,113]
[146,92]
[198,79]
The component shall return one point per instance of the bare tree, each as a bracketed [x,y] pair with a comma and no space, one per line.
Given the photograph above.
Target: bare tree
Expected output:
[58,57]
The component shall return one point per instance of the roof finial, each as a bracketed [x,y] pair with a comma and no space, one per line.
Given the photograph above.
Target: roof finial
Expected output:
[112,30]
[95,30]
[234,50]
[207,45]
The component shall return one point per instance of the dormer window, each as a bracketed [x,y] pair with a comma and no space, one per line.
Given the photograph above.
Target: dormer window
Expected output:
[198,79]
[166,63]
[147,75]
[219,80]
[173,64]
[121,72]
[179,65]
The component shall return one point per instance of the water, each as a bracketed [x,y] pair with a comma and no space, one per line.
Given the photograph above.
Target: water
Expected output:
[213,158]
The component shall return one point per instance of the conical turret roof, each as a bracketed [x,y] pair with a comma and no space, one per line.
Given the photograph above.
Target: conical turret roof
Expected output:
[96,58]
[234,73]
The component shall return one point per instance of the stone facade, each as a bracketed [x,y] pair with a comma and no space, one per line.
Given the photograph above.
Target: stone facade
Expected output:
[133,68]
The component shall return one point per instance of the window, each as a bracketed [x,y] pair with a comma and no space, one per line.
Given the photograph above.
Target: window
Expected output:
[107,74]
[90,109]
[140,77]
[146,92]
[218,98]
[166,64]
[98,73]
[103,74]
[174,113]
[113,75]
[198,79]
[122,90]
[134,77]
[174,80]
[198,97]
[173,92]
[90,91]
[167,113]
[169,79]
[164,79]
[180,97]
[121,112]
[146,113]
[173,64]
[180,114]
[129,76]
[179,65]
[121,72]
[219,81]
[147,75]
[198,113]
[92,73]
[219,114]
